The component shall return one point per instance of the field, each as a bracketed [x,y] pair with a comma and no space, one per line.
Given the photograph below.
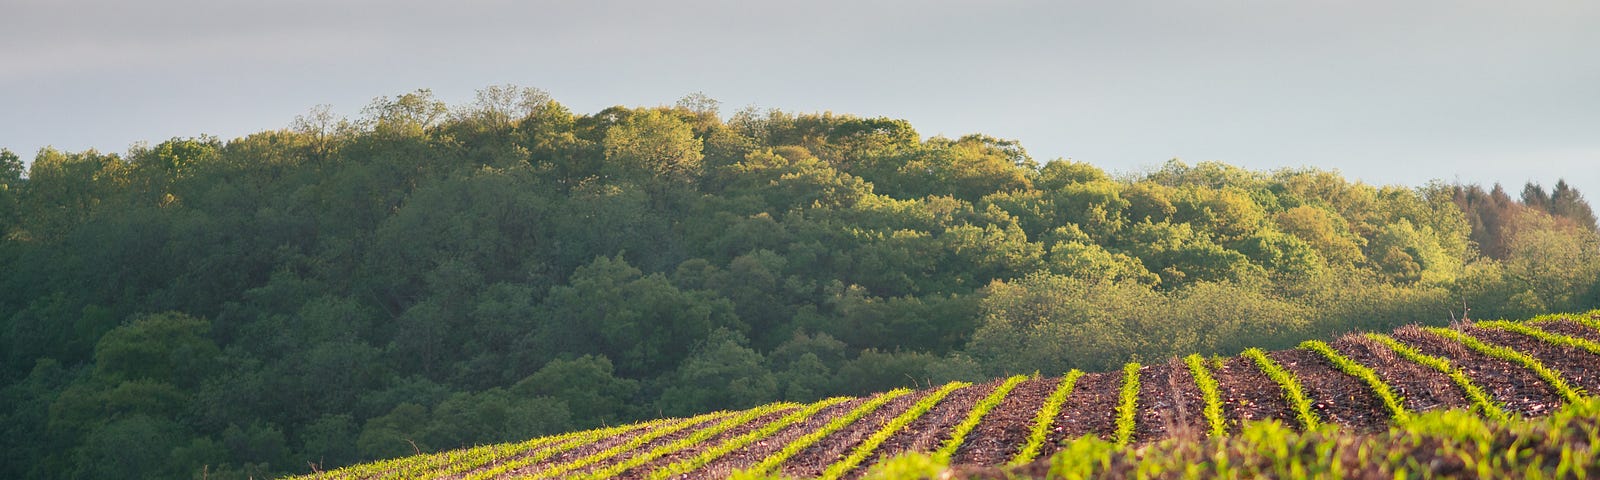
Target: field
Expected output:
[1486,399]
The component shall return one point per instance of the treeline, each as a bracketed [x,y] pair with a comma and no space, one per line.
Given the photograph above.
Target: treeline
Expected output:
[424,278]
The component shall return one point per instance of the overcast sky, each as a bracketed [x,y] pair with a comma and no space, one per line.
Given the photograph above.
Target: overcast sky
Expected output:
[1389,92]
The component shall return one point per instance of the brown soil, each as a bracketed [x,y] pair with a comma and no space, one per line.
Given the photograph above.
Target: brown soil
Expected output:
[1518,389]
[1569,328]
[579,452]
[1336,397]
[691,451]
[1006,428]
[1420,388]
[1577,366]
[1247,394]
[1169,403]
[932,428]
[761,449]
[816,458]
[1089,410]
[657,442]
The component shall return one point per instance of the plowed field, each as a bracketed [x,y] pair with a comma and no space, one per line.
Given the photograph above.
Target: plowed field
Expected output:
[1169,404]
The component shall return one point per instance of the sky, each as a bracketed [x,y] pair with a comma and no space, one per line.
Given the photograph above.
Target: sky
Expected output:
[1387,92]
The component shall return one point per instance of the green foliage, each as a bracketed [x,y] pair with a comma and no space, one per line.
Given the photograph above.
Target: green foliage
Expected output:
[907,465]
[1292,392]
[447,276]
[1396,409]
[1045,417]
[1209,393]
[865,449]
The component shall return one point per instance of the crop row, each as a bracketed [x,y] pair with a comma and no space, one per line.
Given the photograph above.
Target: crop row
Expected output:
[1550,377]
[710,454]
[1045,417]
[1210,393]
[958,435]
[1548,337]
[1437,444]
[632,443]
[690,440]
[1350,367]
[865,448]
[793,448]
[1291,387]
[1481,401]
[1128,404]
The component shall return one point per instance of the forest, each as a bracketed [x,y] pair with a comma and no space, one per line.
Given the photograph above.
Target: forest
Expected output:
[427,277]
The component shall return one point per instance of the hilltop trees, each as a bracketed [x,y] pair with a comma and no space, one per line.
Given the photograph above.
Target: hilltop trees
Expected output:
[428,278]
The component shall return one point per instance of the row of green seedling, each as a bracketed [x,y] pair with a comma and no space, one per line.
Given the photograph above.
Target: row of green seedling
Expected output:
[1392,402]
[1550,377]
[1128,404]
[1480,400]
[1210,393]
[800,444]
[1046,417]
[866,447]
[632,443]
[709,455]
[693,439]
[1292,391]
[1545,336]
[958,435]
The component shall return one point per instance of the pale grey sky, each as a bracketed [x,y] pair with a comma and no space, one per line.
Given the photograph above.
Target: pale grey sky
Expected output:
[1393,91]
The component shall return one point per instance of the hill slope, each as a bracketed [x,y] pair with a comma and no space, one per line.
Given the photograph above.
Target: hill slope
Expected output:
[1360,383]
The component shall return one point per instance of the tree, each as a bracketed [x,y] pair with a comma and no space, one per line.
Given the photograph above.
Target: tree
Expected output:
[652,146]
[722,372]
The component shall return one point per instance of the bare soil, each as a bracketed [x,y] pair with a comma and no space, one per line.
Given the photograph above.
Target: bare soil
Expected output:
[1247,394]
[1006,428]
[813,460]
[735,432]
[1089,410]
[1577,366]
[932,428]
[760,449]
[1517,388]
[1420,388]
[1336,397]
[1170,404]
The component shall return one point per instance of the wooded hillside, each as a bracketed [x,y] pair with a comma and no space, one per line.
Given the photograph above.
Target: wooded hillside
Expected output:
[424,277]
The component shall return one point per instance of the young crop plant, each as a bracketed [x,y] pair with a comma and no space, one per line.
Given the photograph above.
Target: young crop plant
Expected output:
[1547,337]
[563,443]
[1481,401]
[1550,377]
[711,454]
[1291,387]
[958,435]
[1046,416]
[1128,407]
[794,448]
[558,471]
[1397,410]
[688,441]
[866,447]
[1210,392]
